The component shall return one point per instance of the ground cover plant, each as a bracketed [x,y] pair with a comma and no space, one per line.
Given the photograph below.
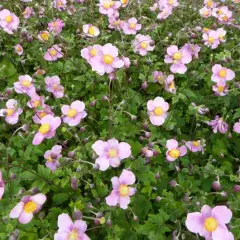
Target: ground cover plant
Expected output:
[119,119]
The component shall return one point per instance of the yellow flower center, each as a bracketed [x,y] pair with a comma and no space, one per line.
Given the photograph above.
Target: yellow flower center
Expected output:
[26,83]
[93,52]
[112,153]
[117,23]
[42,114]
[221,37]
[53,52]
[177,56]
[210,224]
[44,128]
[171,86]
[30,207]
[49,159]
[222,73]
[73,235]
[195,143]
[132,25]
[9,19]
[158,111]
[124,190]
[144,45]
[124,1]
[108,4]
[220,88]
[72,113]
[205,29]
[174,153]
[206,13]
[18,49]
[225,18]
[91,30]
[36,103]
[159,78]
[220,11]
[170,2]
[55,86]
[45,36]
[108,59]
[210,3]
[211,40]
[10,112]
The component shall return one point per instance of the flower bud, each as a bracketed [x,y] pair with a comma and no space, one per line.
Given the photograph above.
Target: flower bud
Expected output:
[96,166]
[71,154]
[96,221]
[35,190]
[173,183]
[77,215]
[144,85]
[13,176]
[158,199]
[236,188]
[92,103]
[216,186]
[157,175]
[109,223]
[135,218]
[82,129]
[99,214]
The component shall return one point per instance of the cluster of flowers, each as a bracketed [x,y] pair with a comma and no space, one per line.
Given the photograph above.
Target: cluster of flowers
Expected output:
[211,8]
[166,8]
[104,59]
[220,76]
[212,38]
[178,58]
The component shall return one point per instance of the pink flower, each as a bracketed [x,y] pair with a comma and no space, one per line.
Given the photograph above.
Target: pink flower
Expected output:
[108,7]
[90,30]
[8,21]
[218,125]
[236,127]
[157,110]
[159,77]
[221,34]
[205,12]
[36,101]
[28,12]
[49,124]
[53,86]
[90,52]
[18,49]
[165,13]
[126,61]
[107,60]
[167,4]
[147,152]
[169,84]
[25,85]
[74,113]
[174,152]
[52,157]
[222,73]
[211,39]
[41,114]
[178,59]
[68,230]
[60,4]
[28,206]
[193,49]
[194,146]
[211,223]
[56,26]
[12,112]
[2,185]
[110,153]
[142,44]
[210,3]
[131,26]
[115,22]
[121,191]
[224,15]
[53,53]
[220,89]
[43,36]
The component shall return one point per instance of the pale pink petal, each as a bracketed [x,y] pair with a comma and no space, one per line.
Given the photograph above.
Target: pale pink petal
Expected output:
[222,213]
[124,201]
[124,150]
[39,198]
[103,162]
[16,211]
[64,222]
[100,147]
[206,211]
[112,199]
[183,150]
[127,177]
[172,144]
[157,120]
[80,225]
[115,183]
[194,222]
[25,217]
